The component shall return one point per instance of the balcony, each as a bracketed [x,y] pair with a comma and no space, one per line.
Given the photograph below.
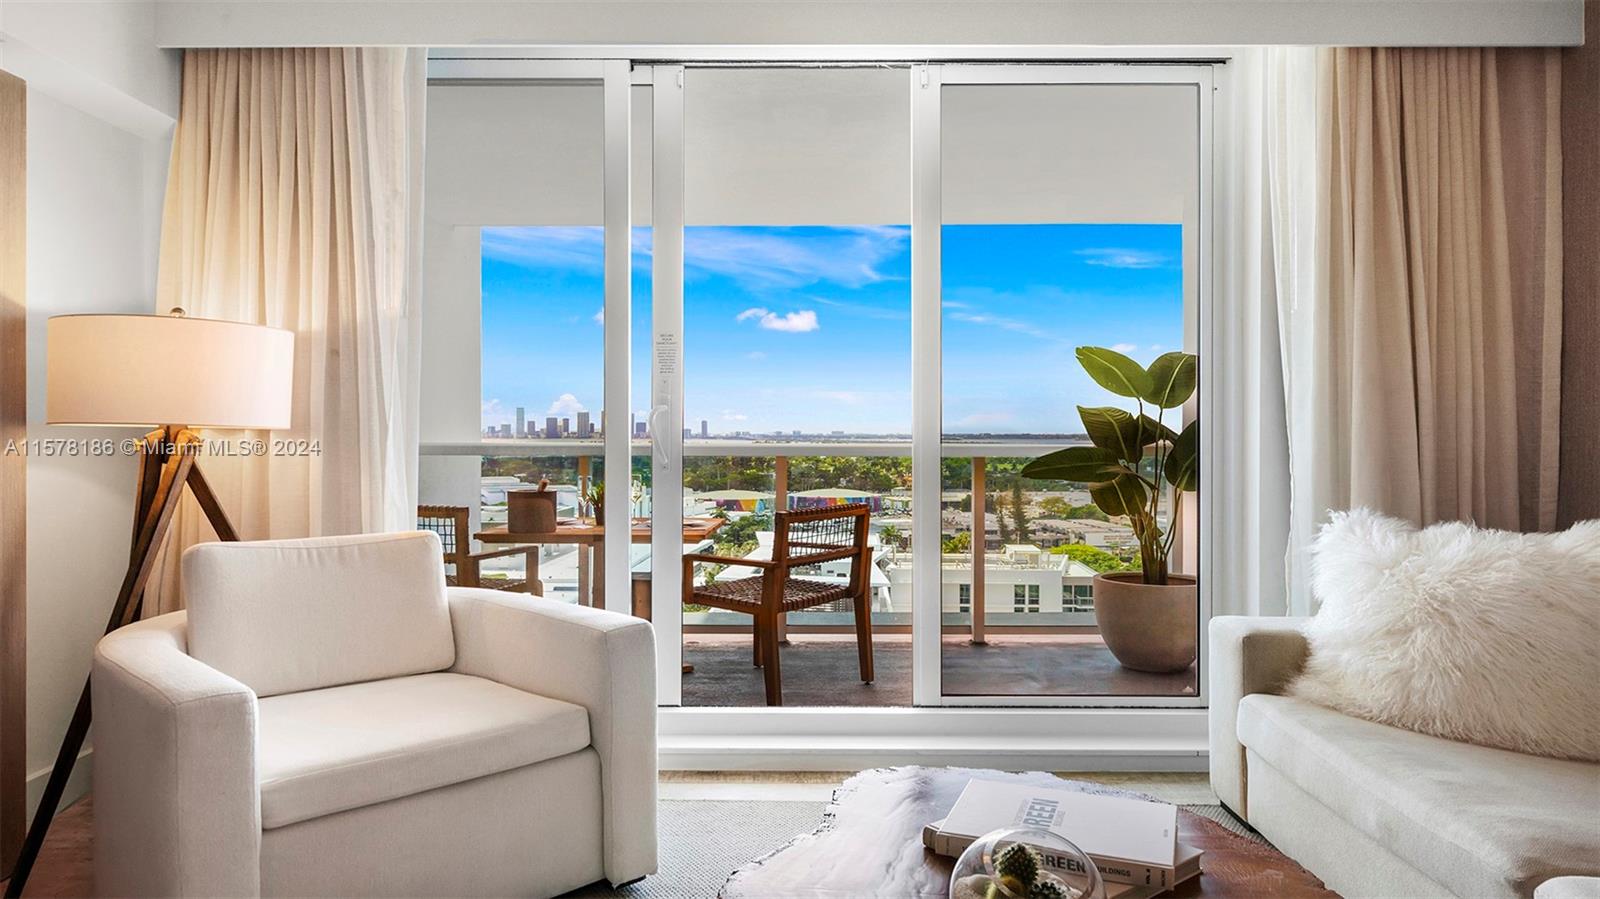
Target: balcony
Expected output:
[1017,617]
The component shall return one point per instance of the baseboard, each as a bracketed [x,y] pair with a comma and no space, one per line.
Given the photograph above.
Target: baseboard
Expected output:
[77,784]
[675,756]
[830,740]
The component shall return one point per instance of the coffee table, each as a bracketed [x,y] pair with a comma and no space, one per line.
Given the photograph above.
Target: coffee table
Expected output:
[870,844]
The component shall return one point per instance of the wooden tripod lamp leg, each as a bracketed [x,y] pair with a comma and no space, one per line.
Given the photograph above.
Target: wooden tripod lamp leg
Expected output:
[167,463]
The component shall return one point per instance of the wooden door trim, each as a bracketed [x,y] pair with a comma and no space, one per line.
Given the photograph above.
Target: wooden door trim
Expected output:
[13,469]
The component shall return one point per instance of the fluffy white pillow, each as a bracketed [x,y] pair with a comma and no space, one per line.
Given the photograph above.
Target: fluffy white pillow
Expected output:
[1488,637]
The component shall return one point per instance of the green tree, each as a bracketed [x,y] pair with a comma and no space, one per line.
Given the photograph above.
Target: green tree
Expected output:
[1054,507]
[890,536]
[1094,557]
[960,543]
[738,536]
[1087,511]
[1019,513]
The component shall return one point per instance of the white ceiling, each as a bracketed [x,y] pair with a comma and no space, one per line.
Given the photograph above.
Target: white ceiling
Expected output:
[962,26]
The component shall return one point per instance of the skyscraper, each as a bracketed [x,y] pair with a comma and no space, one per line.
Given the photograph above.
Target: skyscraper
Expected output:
[584,430]
[638,430]
[705,431]
[505,430]
[552,430]
[522,422]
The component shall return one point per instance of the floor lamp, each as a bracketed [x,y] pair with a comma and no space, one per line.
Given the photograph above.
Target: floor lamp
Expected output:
[155,370]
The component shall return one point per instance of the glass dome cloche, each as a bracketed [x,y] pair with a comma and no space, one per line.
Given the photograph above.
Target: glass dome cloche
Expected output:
[1018,863]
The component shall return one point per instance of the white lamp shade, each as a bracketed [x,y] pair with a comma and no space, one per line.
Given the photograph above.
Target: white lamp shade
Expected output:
[167,370]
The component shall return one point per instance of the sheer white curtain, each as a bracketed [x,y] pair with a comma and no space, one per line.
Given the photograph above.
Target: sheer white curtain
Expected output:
[292,200]
[1266,121]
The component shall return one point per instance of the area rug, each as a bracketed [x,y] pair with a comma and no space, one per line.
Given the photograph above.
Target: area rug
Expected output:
[702,842]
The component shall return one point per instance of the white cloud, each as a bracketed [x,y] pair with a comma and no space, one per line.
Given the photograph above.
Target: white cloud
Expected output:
[792,322]
[1115,257]
[768,258]
[600,317]
[755,355]
[985,419]
[730,415]
[578,247]
[1124,347]
[492,412]
[565,404]
[1002,322]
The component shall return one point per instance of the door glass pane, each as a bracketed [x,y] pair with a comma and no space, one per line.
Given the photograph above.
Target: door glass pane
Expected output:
[1070,219]
[513,339]
[797,370]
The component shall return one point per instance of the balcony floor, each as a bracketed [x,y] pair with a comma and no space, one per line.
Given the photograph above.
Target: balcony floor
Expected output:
[820,670]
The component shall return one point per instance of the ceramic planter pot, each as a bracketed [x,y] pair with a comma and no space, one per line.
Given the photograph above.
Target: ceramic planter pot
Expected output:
[1148,627]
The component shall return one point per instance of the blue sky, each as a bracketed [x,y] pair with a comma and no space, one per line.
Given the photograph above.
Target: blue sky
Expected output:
[809,328]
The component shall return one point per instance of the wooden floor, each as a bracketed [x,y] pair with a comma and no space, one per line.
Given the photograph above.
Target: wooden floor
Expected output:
[821,670]
[66,865]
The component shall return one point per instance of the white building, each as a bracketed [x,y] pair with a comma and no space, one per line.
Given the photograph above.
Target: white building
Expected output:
[1019,580]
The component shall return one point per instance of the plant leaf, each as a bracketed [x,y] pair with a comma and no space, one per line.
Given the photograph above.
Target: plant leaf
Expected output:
[1183,460]
[1155,430]
[1122,495]
[1115,372]
[1173,377]
[1118,430]
[1084,464]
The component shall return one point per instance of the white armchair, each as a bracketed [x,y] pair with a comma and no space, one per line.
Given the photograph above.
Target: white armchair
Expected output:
[328,718]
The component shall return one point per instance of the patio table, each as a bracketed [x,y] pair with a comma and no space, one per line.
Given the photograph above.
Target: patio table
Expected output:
[591,542]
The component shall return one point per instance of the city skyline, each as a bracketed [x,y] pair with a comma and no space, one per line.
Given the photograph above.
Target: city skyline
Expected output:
[808,328]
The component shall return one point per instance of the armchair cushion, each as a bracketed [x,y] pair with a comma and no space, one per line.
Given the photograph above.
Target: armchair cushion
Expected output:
[332,750]
[284,616]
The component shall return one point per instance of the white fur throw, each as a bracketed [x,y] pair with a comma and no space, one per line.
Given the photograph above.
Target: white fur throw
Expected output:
[1488,637]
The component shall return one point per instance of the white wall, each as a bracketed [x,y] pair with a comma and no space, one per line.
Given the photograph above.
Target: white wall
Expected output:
[98,95]
[269,23]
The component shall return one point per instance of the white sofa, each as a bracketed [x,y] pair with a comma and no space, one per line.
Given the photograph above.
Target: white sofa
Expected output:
[328,719]
[1383,812]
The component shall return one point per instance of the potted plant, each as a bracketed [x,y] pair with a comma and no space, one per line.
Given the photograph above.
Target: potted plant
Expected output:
[1137,466]
[594,497]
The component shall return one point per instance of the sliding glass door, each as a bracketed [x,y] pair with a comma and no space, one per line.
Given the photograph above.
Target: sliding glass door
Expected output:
[792,354]
[1059,208]
[715,293]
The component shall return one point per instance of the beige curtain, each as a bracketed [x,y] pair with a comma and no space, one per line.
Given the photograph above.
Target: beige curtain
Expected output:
[1422,356]
[290,203]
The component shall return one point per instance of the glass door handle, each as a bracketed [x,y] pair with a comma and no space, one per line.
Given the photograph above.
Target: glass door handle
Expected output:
[658,444]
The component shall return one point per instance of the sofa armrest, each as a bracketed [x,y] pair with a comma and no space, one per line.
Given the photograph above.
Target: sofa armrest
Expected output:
[600,660]
[176,808]
[1248,655]
[1572,887]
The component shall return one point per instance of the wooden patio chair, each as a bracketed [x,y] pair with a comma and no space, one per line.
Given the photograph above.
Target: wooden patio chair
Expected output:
[801,538]
[451,523]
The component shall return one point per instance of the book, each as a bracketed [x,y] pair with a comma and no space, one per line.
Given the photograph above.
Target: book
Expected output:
[1130,840]
[1187,863]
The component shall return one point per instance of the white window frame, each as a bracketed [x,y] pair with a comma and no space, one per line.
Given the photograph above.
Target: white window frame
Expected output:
[927,85]
[1132,733]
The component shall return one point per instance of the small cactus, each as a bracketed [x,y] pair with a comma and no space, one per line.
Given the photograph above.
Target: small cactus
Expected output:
[1018,863]
[1049,889]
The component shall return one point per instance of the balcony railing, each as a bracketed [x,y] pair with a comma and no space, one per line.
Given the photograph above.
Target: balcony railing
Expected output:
[974,616]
